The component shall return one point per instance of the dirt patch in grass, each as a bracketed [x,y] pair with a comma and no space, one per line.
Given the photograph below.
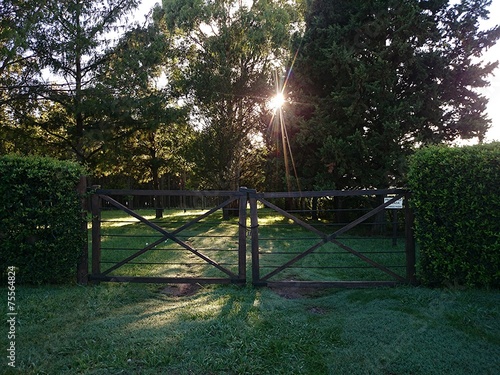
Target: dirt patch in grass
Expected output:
[317,310]
[180,290]
[294,292]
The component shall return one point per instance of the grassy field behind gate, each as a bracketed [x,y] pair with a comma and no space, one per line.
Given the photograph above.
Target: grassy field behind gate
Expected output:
[279,241]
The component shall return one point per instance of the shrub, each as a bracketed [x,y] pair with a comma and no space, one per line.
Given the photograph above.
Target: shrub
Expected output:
[456,197]
[40,218]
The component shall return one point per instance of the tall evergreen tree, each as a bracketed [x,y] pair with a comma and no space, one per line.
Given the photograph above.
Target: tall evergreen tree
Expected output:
[71,40]
[73,44]
[18,66]
[140,81]
[375,79]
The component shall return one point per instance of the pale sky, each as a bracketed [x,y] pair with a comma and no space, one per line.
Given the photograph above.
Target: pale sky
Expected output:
[493,54]
[493,92]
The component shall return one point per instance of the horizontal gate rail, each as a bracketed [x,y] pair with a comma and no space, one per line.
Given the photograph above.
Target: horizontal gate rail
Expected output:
[174,193]
[161,280]
[329,193]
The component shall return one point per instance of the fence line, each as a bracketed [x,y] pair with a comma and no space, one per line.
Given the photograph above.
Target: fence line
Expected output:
[243,200]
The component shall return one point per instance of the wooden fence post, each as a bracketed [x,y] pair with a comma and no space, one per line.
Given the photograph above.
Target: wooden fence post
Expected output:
[410,241]
[242,235]
[254,230]
[96,232]
[83,263]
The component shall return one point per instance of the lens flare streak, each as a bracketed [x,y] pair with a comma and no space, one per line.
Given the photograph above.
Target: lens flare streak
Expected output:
[277,124]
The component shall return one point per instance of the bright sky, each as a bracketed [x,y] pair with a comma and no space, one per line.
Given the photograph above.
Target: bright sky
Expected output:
[492,92]
[146,6]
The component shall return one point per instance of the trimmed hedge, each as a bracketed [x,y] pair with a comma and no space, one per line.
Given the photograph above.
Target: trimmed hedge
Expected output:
[40,219]
[456,197]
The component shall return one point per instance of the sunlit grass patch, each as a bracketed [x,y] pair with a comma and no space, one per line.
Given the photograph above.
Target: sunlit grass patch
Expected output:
[123,236]
[135,329]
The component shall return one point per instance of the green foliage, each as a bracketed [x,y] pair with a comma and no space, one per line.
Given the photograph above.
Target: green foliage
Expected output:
[456,197]
[40,218]
[374,78]
[229,51]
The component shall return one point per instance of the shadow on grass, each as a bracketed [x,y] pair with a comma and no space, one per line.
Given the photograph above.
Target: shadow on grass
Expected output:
[136,329]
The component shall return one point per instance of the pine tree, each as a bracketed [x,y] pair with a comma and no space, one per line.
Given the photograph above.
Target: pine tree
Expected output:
[378,78]
[65,47]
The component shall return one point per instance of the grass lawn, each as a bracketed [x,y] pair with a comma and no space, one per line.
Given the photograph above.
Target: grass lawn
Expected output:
[137,329]
[120,328]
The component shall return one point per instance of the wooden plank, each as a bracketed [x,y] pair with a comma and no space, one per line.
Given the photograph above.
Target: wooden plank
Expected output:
[216,193]
[242,235]
[329,193]
[181,193]
[254,231]
[160,280]
[168,235]
[410,242]
[82,271]
[96,234]
[330,284]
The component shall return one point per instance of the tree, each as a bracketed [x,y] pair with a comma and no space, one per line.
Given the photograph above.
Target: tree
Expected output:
[105,86]
[228,50]
[379,78]
[17,69]
[143,71]
[71,39]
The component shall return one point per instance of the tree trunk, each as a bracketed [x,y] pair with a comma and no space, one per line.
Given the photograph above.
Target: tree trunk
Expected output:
[339,215]
[314,208]
[156,186]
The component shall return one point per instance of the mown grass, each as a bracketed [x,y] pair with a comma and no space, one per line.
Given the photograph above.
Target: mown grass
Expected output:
[135,329]
[119,328]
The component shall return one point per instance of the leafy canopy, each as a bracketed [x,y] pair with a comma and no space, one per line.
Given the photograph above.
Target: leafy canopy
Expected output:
[379,78]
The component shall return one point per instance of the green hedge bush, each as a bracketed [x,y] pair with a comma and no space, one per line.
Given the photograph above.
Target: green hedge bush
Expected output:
[40,219]
[456,197]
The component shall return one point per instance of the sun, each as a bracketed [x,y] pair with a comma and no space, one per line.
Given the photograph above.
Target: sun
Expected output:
[277,101]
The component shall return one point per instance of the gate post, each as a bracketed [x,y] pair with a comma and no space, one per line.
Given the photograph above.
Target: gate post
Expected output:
[96,232]
[409,241]
[254,230]
[82,272]
[242,235]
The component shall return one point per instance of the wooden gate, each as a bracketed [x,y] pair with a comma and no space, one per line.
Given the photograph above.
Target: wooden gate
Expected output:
[117,250]
[343,256]
[318,240]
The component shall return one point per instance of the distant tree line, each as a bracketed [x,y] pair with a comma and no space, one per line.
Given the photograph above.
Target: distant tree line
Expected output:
[182,101]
